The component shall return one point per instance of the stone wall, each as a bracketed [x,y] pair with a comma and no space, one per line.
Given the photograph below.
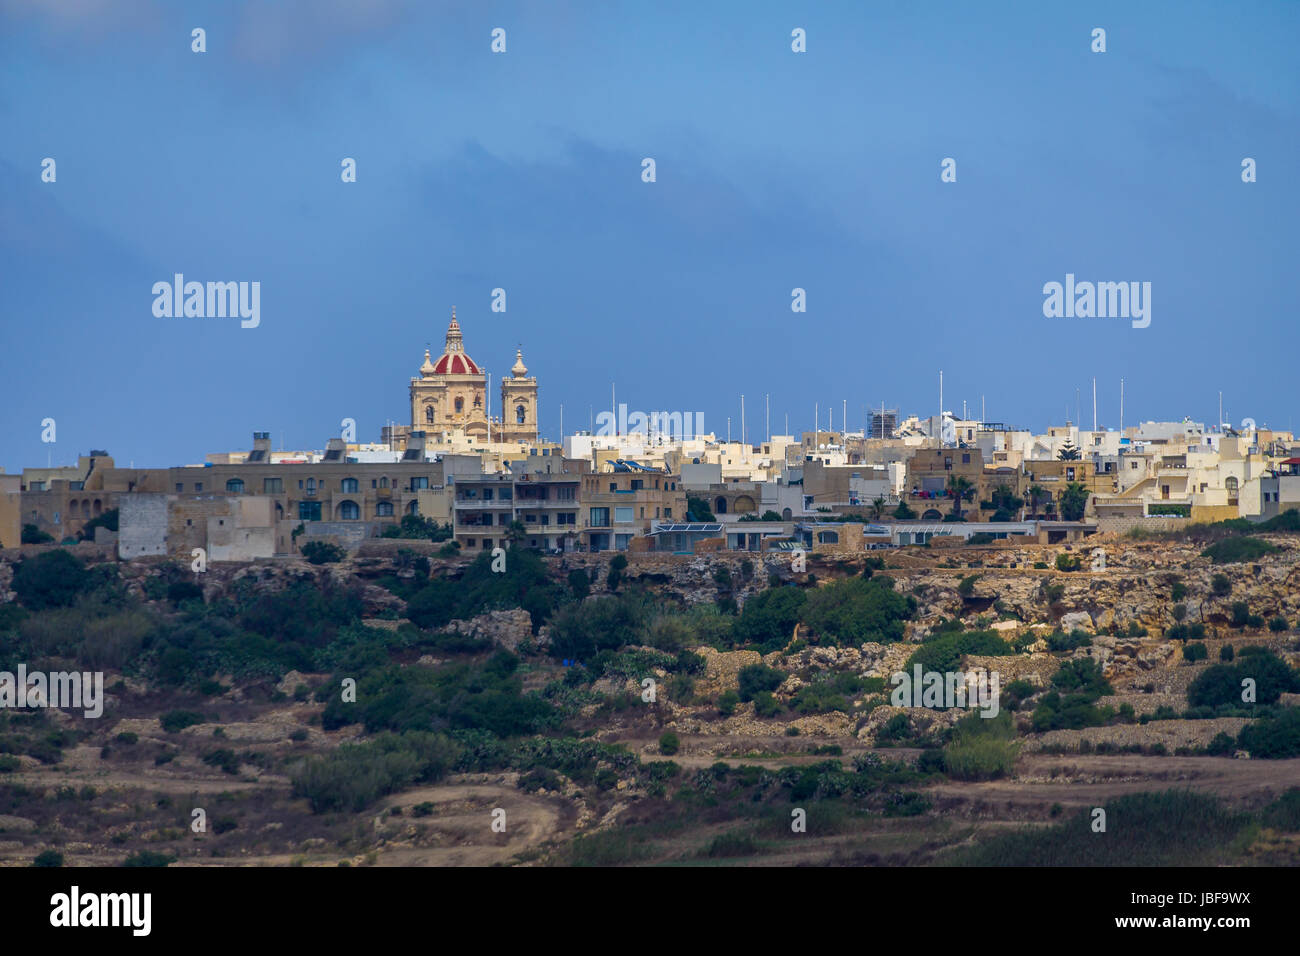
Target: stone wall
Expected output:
[142,525]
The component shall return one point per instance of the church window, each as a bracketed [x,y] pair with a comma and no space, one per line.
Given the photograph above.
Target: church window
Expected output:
[519,414]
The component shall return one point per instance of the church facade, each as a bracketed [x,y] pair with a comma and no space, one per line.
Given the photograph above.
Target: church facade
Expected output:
[451,395]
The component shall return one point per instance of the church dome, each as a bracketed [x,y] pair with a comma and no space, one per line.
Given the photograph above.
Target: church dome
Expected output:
[454,361]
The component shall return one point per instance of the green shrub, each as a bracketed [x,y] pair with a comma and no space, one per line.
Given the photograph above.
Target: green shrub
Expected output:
[1273,738]
[1221,684]
[1226,652]
[322,552]
[355,775]
[943,653]
[48,858]
[765,705]
[51,580]
[854,610]
[1195,652]
[1233,550]
[669,744]
[727,703]
[1277,625]
[757,678]
[177,720]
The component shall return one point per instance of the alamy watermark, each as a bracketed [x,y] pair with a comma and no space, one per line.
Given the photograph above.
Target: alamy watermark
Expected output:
[674,426]
[63,690]
[213,300]
[1102,300]
[946,690]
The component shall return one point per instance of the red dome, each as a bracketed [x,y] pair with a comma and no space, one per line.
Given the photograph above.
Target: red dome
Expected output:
[455,363]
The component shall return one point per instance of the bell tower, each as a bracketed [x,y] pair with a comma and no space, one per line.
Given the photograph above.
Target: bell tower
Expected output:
[519,404]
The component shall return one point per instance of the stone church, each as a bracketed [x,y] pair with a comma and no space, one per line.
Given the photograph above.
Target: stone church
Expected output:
[451,394]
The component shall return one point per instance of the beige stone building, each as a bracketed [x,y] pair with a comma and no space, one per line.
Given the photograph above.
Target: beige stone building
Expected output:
[450,397]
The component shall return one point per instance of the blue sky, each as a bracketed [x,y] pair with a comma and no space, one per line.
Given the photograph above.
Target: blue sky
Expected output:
[775,170]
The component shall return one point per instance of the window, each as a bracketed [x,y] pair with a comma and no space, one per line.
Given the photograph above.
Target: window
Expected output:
[383,482]
[506,494]
[1069,474]
[460,405]
[622,514]
[565,494]
[272,486]
[348,486]
[179,487]
[309,511]
[311,486]
[519,414]
[599,517]
[419,483]
[384,509]
[668,513]
[198,486]
[374,483]
[965,459]
[487,494]
[348,511]
[235,486]
[613,486]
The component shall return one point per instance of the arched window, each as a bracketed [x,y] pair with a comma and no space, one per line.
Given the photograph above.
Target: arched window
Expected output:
[413,508]
[384,509]
[460,405]
[519,414]
[429,414]
[99,507]
[383,482]
[348,511]
[311,486]
[348,486]
[721,507]
[235,486]
[478,400]
[1232,485]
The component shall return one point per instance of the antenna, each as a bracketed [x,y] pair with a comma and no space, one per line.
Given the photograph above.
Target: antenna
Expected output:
[742,418]
[1121,408]
[1094,403]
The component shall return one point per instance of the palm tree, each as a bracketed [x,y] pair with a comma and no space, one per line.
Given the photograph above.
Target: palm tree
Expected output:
[878,506]
[515,533]
[960,487]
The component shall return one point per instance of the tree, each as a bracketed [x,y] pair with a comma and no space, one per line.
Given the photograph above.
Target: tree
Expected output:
[1069,452]
[106,520]
[617,565]
[960,487]
[34,535]
[771,516]
[1074,501]
[697,509]
[515,533]
[903,512]
[878,506]
[52,579]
